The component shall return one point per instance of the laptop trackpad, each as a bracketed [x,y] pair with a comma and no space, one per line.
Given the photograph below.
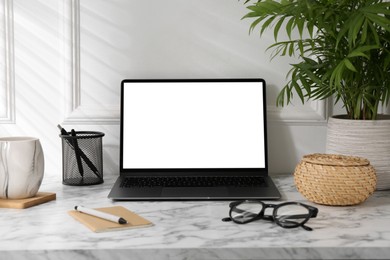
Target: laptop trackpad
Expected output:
[195,192]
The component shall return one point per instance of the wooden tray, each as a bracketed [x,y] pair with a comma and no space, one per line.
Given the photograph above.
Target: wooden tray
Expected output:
[40,198]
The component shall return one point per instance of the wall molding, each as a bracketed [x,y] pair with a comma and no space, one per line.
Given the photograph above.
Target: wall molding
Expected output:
[76,111]
[313,113]
[9,104]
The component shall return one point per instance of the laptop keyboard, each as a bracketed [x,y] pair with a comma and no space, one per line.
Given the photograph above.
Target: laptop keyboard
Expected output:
[193,181]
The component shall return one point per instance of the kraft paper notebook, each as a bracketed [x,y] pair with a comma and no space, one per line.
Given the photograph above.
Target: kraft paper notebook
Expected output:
[101,225]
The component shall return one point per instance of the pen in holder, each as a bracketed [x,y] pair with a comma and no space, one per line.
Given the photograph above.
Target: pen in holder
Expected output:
[82,157]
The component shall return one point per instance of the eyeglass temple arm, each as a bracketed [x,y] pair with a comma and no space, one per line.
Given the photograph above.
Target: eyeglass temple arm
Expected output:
[302,225]
[299,216]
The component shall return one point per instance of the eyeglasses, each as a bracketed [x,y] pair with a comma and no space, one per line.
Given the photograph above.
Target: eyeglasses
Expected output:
[286,215]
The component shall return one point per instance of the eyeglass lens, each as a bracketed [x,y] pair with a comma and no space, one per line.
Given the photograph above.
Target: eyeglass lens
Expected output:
[246,211]
[291,215]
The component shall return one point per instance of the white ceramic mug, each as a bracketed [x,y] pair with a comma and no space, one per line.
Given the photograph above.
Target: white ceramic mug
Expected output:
[21,167]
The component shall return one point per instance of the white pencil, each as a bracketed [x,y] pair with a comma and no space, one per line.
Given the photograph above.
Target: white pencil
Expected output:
[100,214]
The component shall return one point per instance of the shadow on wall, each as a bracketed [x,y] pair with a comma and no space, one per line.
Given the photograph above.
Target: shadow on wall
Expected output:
[288,143]
[282,156]
[291,137]
[111,160]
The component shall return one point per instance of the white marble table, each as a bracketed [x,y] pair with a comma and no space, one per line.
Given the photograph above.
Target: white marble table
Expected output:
[192,230]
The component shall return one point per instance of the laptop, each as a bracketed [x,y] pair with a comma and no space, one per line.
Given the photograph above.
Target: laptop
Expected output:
[193,139]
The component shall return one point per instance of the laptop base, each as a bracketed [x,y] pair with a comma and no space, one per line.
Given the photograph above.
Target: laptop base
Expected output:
[268,191]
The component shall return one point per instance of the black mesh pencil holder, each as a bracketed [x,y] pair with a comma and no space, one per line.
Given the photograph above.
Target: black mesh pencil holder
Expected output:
[82,158]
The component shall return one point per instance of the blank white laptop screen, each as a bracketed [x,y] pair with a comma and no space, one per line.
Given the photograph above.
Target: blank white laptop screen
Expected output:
[193,125]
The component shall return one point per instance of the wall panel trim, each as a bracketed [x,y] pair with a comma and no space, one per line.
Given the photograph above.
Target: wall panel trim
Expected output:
[314,113]
[9,104]
[76,112]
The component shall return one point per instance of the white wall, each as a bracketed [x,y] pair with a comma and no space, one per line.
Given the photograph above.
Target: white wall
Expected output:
[62,61]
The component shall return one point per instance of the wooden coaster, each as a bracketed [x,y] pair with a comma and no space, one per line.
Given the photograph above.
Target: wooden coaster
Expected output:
[39,198]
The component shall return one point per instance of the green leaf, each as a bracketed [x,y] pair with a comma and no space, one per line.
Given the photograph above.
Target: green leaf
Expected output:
[298,90]
[374,33]
[281,48]
[381,8]
[291,49]
[310,28]
[268,6]
[349,65]
[280,97]
[357,110]
[328,14]
[290,26]
[355,30]
[255,23]
[335,78]
[300,24]
[342,33]
[359,52]
[277,28]
[300,46]
[305,84]
[380,20]
[364,32]
[266,24]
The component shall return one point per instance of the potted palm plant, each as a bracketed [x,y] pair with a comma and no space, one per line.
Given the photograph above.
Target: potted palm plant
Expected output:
[344,50]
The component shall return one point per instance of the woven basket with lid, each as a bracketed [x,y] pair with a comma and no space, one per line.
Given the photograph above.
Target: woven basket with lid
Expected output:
[336,180]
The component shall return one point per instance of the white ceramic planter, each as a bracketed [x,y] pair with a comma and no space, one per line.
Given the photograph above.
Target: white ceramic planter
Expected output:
[21,167]
[369,139]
